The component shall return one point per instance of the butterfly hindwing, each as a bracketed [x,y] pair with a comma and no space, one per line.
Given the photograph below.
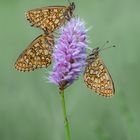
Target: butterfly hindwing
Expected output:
[97,77]
[37,55]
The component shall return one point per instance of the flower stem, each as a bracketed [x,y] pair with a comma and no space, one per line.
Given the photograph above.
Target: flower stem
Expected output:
[65,115]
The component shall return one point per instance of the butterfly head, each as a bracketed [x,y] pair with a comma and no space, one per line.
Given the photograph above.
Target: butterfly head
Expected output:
[71,8]
[93,55]
[95,51]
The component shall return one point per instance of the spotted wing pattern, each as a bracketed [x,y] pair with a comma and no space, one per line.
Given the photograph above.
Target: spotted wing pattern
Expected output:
[37,55]
[97,77]
[50,18]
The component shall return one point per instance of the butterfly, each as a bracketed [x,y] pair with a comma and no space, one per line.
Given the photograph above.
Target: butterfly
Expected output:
[50,18]
[97,76]
[37,55]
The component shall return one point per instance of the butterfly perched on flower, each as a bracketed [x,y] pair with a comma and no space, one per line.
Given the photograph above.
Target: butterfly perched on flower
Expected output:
[37,55]
[50,18]
[97,76]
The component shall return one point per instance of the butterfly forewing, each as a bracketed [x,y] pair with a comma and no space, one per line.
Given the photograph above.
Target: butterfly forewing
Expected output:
[97,77]
[37,55]
[50,18]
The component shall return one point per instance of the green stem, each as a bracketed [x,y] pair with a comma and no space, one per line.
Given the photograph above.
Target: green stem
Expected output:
[65,115]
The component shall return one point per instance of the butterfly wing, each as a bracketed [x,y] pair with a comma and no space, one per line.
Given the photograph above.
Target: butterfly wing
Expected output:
[37,55]
[47,18]
[97,78]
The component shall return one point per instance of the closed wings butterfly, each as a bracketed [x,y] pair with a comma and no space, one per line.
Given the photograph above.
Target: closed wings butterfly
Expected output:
[96,75]
[37,55]
[50,18]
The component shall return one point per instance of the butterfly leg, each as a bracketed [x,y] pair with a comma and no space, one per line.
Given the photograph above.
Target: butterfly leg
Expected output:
[46,31]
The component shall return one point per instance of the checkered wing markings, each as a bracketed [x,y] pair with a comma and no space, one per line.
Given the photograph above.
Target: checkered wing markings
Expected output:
[47,18]
[97,78]
[37,55]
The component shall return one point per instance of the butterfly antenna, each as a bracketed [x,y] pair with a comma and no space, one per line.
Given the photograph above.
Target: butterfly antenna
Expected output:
[109,47]
[104,48]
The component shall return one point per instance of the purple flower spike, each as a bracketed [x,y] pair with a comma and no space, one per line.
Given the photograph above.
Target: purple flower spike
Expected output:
[69,54]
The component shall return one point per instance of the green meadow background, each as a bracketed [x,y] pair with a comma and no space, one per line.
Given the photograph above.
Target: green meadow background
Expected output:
[30,107]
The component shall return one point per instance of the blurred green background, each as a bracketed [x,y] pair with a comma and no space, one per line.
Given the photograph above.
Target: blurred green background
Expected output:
[30,107]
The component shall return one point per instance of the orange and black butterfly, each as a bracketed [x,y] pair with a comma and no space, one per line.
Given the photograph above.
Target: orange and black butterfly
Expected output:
[97,76]
[37,55]
[50,18]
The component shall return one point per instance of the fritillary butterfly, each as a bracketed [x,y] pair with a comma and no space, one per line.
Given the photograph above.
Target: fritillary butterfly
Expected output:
[50,18]
[96,75]
[37,55]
